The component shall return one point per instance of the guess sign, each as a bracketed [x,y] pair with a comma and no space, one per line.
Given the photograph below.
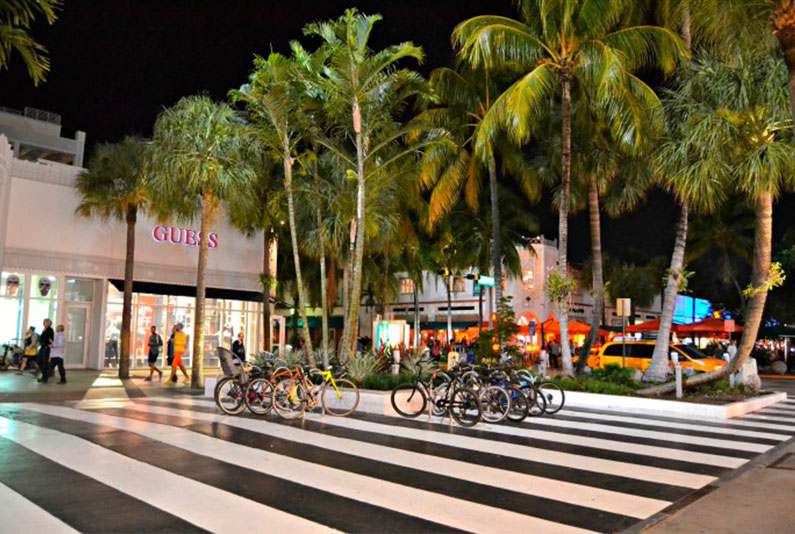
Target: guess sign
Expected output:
[182,236]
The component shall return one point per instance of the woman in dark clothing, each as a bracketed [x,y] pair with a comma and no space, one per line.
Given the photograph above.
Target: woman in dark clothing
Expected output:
[238,348]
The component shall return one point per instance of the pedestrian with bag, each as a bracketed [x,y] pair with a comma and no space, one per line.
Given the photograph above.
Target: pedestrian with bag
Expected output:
[57,354]
[30,351]
[155,345]
[45,345]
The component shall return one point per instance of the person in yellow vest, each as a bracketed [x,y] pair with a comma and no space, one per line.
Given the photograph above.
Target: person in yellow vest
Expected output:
[179,349]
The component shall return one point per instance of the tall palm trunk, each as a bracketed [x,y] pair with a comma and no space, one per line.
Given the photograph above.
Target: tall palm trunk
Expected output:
[126,307]
[302,300]
[496,247]
[597,276]
[760,271]
[197,371]
[323,285]
[386,284]
[448,281]
[352,321]
[563,222]
[266,288]
[416,317]
[659,369]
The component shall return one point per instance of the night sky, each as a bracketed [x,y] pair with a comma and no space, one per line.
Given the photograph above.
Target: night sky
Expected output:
[116,64]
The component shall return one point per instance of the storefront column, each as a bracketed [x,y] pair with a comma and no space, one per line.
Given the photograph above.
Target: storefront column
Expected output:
[96,354]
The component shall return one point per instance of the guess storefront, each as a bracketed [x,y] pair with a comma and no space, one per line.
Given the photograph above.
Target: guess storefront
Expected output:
[57,265]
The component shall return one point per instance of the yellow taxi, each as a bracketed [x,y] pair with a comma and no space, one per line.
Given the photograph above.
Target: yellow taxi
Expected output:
[639,355]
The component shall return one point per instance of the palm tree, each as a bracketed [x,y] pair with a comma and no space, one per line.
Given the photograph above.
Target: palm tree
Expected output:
[272,97]
[585,46]
[364,88]
[16,17]
[462,100]
[199,157]
[115,186]
[735,129]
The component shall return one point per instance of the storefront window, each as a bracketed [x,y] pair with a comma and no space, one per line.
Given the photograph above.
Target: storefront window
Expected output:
[12,293]
[43,300]
[79,290]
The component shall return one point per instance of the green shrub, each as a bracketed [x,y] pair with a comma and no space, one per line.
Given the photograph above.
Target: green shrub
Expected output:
[411,366]
[614,374]
[722,387]
[386,382]
[363,366]
[762,356]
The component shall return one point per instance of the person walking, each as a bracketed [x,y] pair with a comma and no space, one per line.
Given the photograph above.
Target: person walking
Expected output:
[45,344]
[57,354]
[238,348]
[179,349]
[731,350]
[170,346]
[29,351]
[554,353]
[155,345]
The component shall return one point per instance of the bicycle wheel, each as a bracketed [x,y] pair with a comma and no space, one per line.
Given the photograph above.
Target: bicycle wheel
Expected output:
[289,399]
[465,407]
[520,405]
[230,396]
[409,400]
[259,395]
[341,401]
[553,395]
[495,403]
[439,405]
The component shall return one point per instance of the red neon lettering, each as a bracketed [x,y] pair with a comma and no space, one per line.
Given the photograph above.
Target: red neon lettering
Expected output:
[191,237]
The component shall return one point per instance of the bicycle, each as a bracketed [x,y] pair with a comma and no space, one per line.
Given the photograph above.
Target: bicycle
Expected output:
[292,397]
[549,393]
[410,399]
[259,392]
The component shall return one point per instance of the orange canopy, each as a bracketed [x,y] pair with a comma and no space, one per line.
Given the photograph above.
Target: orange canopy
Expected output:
[708,325]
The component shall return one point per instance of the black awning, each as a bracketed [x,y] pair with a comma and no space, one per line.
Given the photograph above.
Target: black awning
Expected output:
[156,288]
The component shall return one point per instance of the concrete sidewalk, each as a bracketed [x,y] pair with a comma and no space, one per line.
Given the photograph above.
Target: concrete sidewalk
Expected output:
[87,384]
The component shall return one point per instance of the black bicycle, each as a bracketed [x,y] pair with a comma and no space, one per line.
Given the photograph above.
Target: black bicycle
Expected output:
[447,396]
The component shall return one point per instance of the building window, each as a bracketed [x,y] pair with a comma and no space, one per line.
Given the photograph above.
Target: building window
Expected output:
[12,296]
[43,300]
[406,286]
[459,285]
[528,280]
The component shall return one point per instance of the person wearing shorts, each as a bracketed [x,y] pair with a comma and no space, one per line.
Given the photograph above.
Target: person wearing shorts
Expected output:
[30,352]
[155,345]
[179,349]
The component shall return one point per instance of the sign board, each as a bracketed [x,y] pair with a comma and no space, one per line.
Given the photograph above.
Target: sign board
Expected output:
[624,307]
[728,325]
[486,281]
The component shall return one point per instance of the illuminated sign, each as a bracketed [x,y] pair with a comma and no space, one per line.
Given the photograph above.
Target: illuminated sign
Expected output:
[690,310]
[182,236]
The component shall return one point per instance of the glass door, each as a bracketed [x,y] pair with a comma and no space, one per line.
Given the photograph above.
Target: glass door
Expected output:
[77,324]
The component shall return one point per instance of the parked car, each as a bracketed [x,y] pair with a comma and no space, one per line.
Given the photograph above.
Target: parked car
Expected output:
[639,355]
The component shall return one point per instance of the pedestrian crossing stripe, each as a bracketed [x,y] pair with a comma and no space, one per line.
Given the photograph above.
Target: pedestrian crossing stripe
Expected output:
[580,472]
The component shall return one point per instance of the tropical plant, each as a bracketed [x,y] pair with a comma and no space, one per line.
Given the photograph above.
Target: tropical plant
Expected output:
[363,365]
[735,129]
[16,17]
[560,47]
[116,186]
[364,91]
[273,98]
[199,156]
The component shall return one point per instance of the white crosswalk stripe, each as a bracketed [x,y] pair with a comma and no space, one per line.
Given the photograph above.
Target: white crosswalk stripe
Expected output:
[587,469]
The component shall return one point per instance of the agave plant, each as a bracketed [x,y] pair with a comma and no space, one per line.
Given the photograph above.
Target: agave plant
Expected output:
[363,366]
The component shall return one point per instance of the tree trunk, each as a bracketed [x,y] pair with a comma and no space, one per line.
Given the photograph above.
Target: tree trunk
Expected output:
[563,223]
[323,285]
[597,277]
[496,247]
[352,320]
[659,368]
[266,288]
[197,370]
[763,243]
[416,317]
[126,307]
[302,300]
[386,284]
[448,281]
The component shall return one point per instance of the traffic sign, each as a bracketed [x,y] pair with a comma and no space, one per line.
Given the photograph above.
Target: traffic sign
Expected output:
[486,280]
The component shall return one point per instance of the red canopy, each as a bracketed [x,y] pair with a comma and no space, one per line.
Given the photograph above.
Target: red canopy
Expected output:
[708,325]
[553,327]
[650,326]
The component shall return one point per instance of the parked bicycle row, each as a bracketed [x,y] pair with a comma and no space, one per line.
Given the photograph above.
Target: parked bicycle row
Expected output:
[288,391]
[470,394]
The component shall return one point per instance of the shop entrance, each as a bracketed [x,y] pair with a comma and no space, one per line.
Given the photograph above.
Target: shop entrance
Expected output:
[77,318]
